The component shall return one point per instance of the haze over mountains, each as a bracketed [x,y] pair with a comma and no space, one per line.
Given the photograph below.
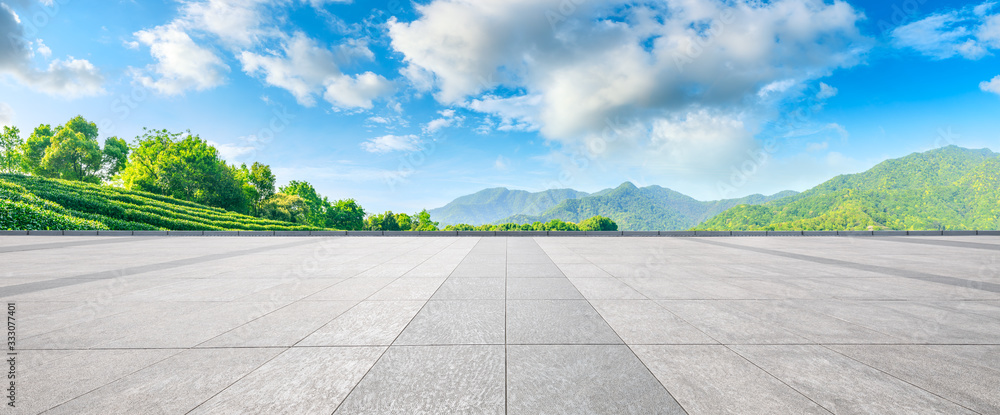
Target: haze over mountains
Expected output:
[946,188]
[632,208]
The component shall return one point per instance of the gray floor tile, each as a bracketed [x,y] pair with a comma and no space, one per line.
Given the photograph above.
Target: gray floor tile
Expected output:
[541,289]
[582,379]
[646,322]
[432,380]
[714,380]
[175,385]
[302,380]
[370,323]
[456,322]
[545,270]
[471,289]
[556,322]
[843,385]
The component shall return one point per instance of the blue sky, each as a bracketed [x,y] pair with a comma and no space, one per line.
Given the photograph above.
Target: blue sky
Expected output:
[407,105]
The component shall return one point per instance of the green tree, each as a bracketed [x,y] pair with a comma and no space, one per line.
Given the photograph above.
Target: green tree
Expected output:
[285,207]
[114,156]
[423,222]
[598,223]
[317,204]
[345,215]
[10,150]
[72,155]
[34,148]
[185,167]
[404,221]
[382,222]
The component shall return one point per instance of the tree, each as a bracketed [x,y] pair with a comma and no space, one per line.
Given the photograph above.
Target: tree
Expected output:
[404,221]
[598,223]
[10,150]
[317,205]
[114,156]
[72,155]
[185,167]
[345,215]
[423,222]
[284,207]
[258,183]
[382,222]
[71,152]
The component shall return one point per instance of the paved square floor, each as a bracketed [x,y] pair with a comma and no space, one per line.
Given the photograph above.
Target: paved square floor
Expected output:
[415,325]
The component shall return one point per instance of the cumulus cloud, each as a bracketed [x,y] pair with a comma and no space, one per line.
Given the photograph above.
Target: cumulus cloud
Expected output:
[991,85]
[573,73]
[447,119]
[249,30]
[391,143]
[69,78]
[181,64]
[969,33]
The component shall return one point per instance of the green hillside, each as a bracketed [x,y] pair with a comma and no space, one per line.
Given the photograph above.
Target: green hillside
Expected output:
[641,209]
[491,205]
[946,188]
[28,202]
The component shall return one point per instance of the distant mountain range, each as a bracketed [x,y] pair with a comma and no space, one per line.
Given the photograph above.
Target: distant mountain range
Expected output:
[945,188]
[632,208]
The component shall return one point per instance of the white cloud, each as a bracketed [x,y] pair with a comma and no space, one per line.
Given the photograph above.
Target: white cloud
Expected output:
[357,91]
[812,147]
[502,163]
[991,85]
[969,33]
[390,143]
[235,22]
[826,91]
[614,61]
[181,63]
[68,78]
[447,119]
[232,153]
[6,114]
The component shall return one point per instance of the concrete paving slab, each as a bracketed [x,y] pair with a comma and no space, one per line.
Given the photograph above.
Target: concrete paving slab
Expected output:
[456,322]
[556,322]
[370,323]
[582,379]
[169,386]
[646,322]
[714,380]
[542,289]
[471,289]
[310,380]
[605,289]
[432,380]
[844,385]
[283,327]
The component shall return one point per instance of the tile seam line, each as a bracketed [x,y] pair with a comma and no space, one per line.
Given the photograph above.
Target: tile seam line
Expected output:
[628,346]
[914,275]
[58,245]
[179,351]
[386,350]
[727,346]
[900,379]
[140,269]
[237,380]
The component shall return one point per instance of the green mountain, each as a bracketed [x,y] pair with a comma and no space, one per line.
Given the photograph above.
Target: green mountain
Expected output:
[35,203]
[490,205]
[945,188]
[641,209]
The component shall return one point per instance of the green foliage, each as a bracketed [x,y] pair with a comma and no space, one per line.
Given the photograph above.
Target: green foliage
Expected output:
[596,223]
[73,155]
[947,188]
[104,207]
[345,215]
[10,150]
[316,203]
[382,222]
[114,156]
[34,150]
[286,208]
[422,222]
[184,166]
